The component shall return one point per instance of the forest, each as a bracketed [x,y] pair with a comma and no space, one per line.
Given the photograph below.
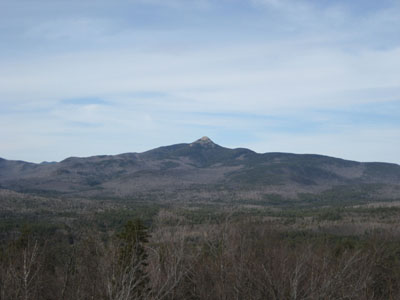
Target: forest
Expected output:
[207,252]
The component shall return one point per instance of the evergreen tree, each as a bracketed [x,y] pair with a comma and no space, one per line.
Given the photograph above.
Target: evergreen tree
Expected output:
[132,258]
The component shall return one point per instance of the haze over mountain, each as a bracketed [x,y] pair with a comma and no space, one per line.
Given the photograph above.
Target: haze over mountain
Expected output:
[204,171]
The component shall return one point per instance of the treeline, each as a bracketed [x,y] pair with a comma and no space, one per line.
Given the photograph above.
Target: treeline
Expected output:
[230,260]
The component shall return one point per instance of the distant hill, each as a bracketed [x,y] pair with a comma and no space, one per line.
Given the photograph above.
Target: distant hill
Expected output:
[205,171]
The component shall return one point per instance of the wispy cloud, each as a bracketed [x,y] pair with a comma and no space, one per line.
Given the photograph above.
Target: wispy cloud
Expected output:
[84,101]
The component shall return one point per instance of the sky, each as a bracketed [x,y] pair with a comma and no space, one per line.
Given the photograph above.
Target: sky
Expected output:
[90,77]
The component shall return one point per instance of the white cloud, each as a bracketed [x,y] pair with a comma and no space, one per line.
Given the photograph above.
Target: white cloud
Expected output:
[307,78]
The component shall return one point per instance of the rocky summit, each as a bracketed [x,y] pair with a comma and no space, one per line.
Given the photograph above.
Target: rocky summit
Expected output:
[205,142]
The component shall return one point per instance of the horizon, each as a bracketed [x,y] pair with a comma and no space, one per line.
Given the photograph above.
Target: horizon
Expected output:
[83,78]
[190,143]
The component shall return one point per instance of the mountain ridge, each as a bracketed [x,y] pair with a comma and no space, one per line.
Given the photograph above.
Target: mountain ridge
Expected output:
[199,168]
[198,141]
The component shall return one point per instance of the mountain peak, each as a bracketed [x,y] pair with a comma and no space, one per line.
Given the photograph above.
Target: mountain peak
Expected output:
[204,141]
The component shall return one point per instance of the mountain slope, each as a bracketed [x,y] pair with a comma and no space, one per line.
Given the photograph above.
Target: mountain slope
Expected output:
[200,168]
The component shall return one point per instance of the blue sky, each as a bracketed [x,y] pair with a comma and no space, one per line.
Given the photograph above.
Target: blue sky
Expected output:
[80,78]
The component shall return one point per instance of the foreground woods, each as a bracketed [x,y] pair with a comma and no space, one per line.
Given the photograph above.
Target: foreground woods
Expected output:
[244,259]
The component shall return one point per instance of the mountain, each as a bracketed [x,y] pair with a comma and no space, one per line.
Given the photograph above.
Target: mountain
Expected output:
[205,171]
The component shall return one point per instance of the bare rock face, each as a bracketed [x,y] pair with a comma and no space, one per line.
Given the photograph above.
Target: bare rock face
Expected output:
[205,142]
